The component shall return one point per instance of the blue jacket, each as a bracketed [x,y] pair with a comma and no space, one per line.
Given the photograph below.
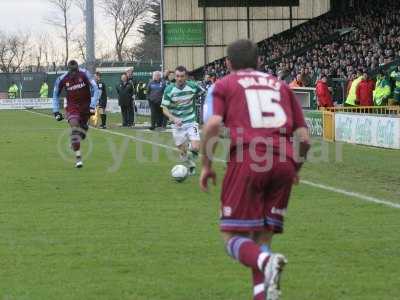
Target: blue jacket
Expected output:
[155,91]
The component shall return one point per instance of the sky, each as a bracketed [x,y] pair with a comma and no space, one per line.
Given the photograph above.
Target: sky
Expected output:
[29,16]
[25,15]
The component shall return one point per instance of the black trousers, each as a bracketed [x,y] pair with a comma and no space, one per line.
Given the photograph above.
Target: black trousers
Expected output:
[128,115]
[157,116]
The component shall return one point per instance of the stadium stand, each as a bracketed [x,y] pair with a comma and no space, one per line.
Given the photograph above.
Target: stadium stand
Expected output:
[338,46]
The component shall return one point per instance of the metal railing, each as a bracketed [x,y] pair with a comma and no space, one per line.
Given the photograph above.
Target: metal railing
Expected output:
[376,110]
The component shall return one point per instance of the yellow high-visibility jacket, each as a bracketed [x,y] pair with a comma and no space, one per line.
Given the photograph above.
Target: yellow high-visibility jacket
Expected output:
[352,96]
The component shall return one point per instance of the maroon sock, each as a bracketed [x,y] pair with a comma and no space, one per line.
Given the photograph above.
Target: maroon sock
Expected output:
[247,252]
[258,285]
[75,141]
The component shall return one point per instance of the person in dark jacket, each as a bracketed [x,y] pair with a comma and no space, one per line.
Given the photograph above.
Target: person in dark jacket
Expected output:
[102,101]
[134,83]
[125,100]
[155,91]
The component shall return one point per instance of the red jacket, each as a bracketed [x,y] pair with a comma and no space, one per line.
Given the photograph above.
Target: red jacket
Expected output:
[323,95]
[365,92]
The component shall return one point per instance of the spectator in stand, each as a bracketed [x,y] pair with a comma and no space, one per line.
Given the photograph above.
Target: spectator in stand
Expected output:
[281,75]
[306,78]
[296,83]
[365,91]
[352,96]
[382,90]
[209,80]
[395,76]
[206,80]
[155,91]
[324,97]
[349,83]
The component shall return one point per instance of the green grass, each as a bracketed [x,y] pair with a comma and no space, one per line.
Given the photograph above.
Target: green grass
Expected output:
[132,233]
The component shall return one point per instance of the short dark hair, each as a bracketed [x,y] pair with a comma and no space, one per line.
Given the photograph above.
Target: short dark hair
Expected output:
[243,54]
[73,66]
[181,69]
[98,73]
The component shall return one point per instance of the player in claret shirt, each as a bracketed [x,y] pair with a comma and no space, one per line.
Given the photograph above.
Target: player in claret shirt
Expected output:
[82,95]
[262,116]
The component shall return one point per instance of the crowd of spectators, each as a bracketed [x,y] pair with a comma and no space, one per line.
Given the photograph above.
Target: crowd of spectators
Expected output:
[305,34]
[373,42]
[369,39]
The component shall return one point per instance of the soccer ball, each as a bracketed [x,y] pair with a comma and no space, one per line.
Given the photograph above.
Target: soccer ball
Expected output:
[179,173]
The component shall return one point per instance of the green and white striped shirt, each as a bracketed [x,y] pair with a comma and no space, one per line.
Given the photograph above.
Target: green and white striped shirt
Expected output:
[180,102]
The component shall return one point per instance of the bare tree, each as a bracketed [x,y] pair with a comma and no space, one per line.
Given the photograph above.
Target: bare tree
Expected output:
[62,20]
[124,14]
[81,4]
[131,53]
[40,51]
[56,56]
[80,39]
[80,46]
[13,50]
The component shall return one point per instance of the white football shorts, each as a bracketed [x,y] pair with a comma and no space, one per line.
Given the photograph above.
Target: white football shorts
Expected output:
[187,132]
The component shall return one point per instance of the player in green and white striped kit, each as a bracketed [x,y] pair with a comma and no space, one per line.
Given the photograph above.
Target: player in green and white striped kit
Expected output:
[179,106]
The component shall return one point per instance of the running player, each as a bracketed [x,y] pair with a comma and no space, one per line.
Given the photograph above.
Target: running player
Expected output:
[263,116]
[79,86]
[178,106]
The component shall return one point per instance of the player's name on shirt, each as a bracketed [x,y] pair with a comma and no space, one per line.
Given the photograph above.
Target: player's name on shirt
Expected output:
[75,86]
[247,82]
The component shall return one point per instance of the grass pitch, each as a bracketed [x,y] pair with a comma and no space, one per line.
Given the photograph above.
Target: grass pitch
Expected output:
[121,229]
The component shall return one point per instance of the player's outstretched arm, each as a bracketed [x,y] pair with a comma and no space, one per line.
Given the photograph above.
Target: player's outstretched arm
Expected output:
[56,99]
[302,139]
[208,146]
[94,90]
[171,117]
[96,94]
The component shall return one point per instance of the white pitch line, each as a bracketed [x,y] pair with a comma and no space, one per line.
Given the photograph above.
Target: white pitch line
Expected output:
[351,194]
[359,196]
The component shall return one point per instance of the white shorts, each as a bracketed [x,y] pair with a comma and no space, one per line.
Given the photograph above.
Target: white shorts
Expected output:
[187,132]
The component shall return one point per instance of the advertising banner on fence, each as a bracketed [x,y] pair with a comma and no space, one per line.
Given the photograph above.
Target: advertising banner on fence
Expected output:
[314,122]
[36,103]
[142,107]
[369,130]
